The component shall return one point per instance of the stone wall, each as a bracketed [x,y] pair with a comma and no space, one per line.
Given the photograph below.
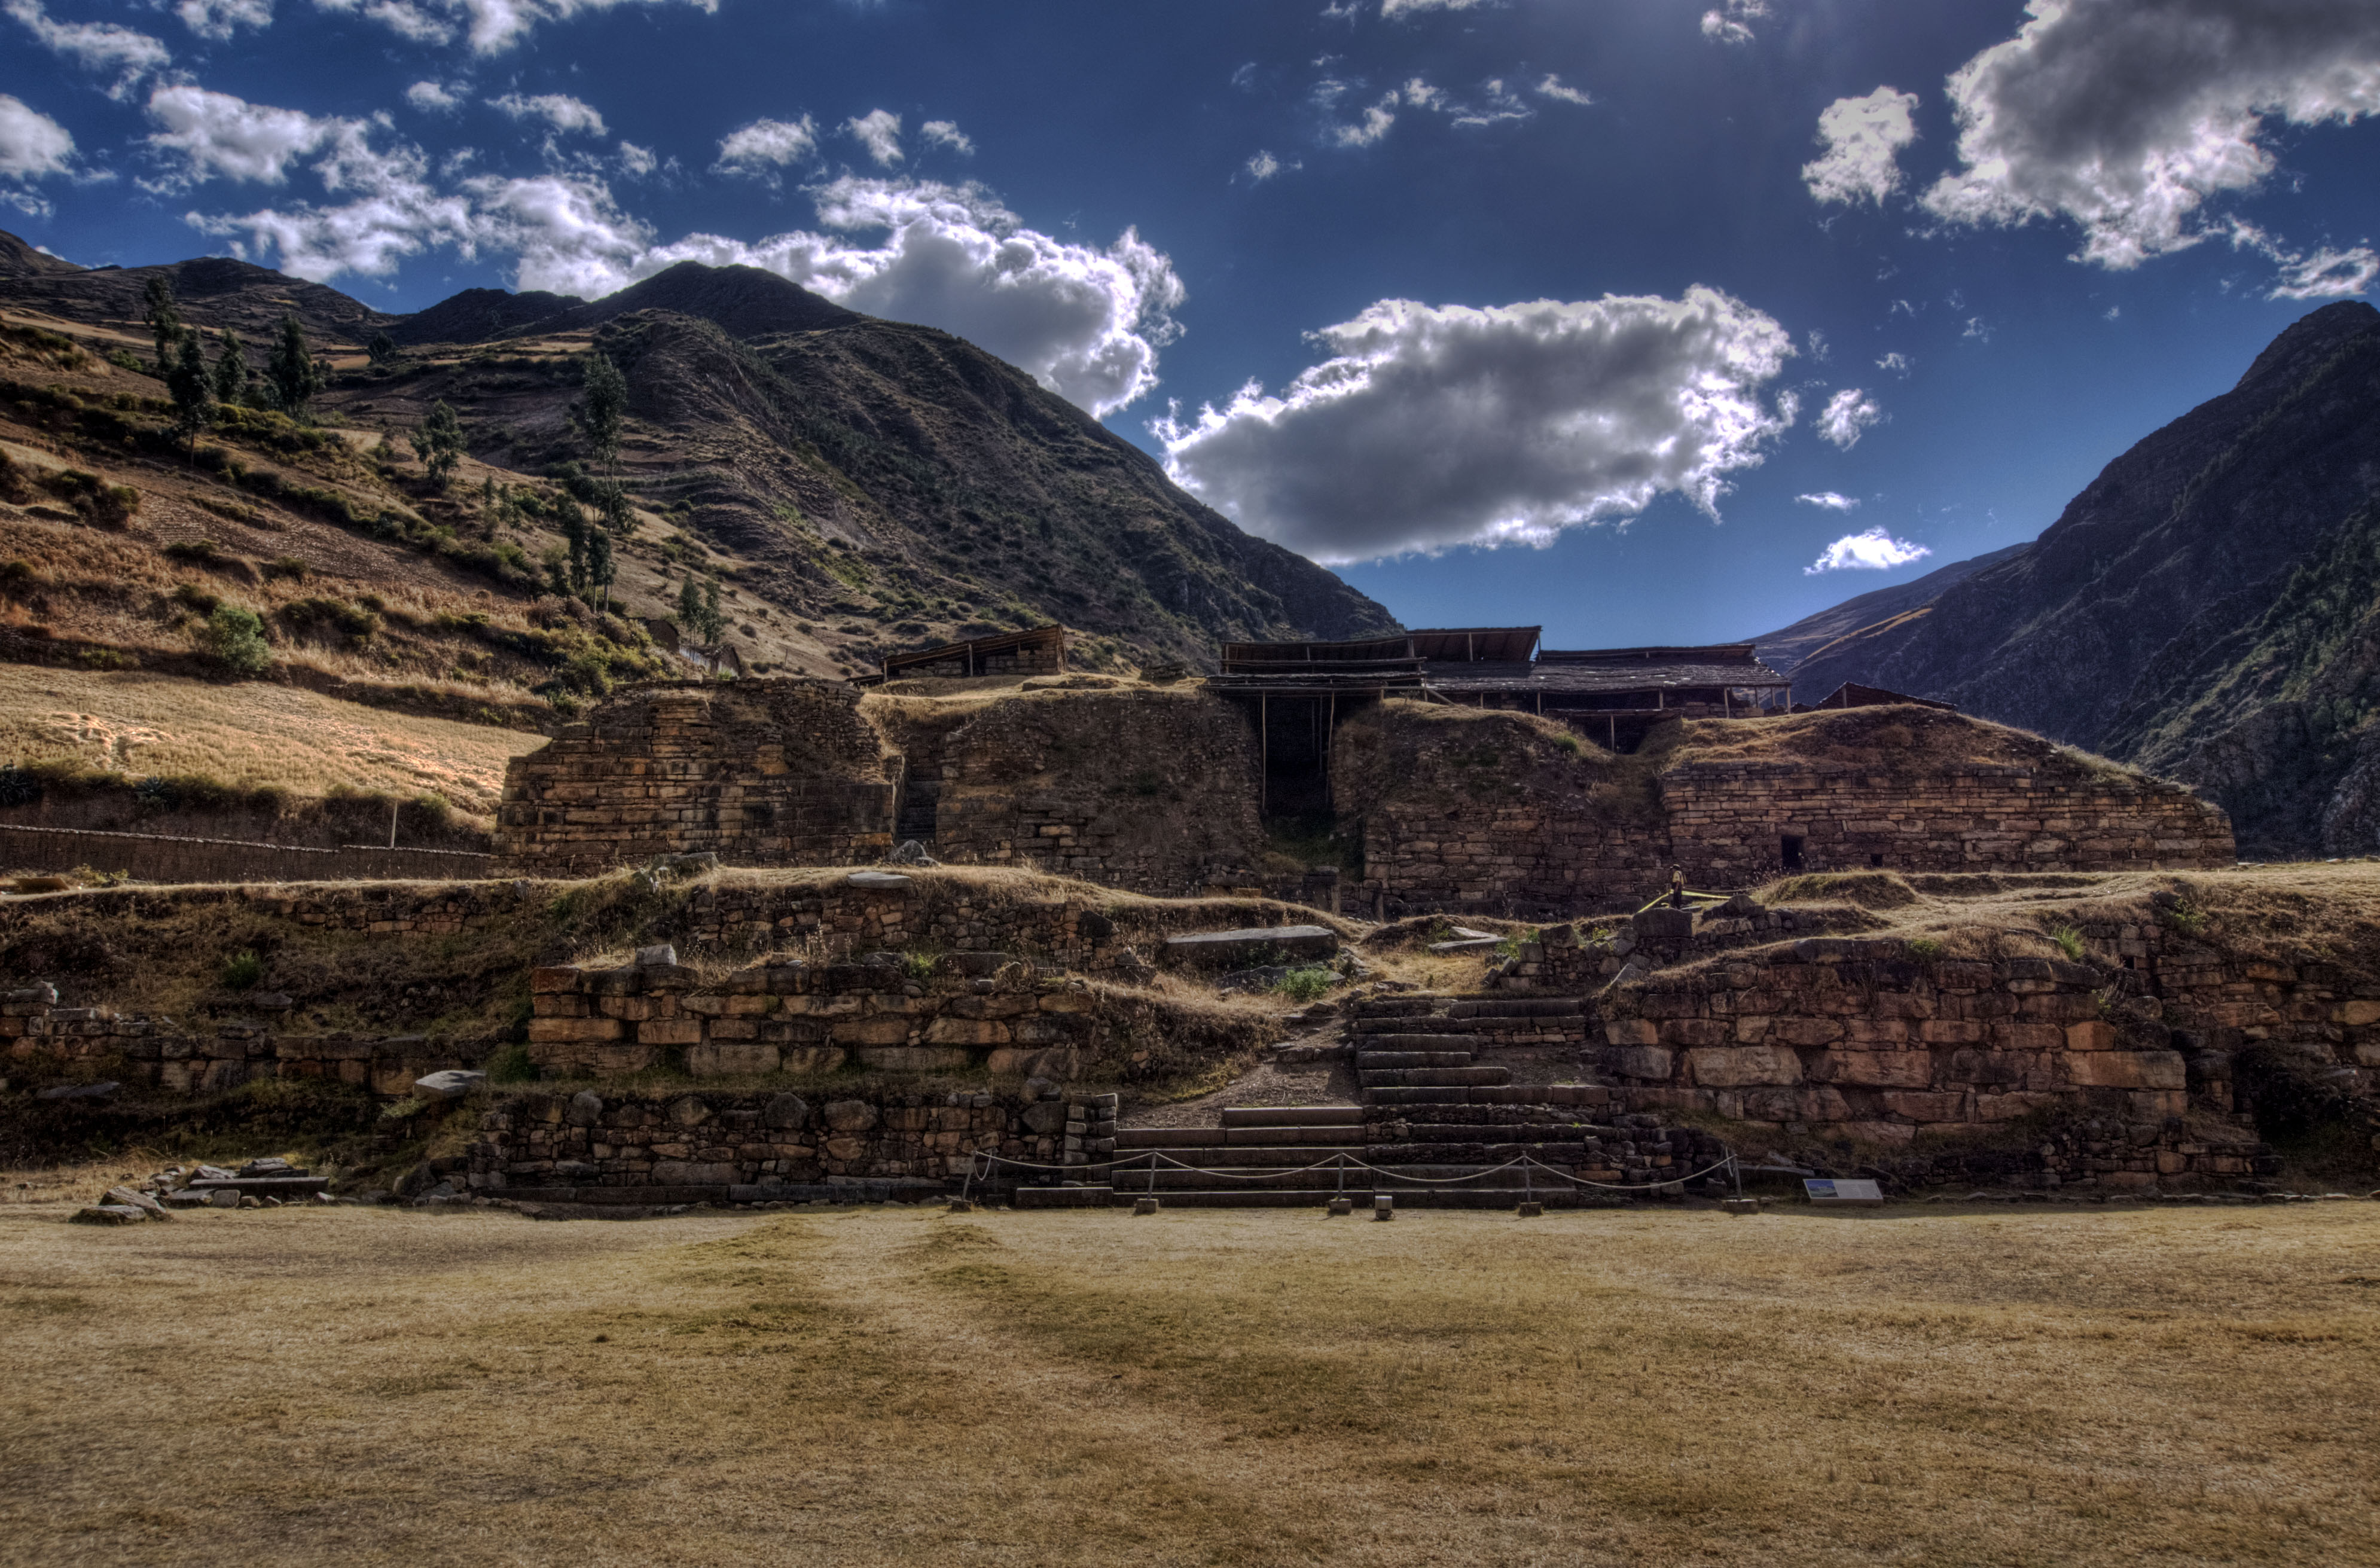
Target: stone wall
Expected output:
[1729,823]
[763,772]
[164,857]
[44,1040]
[652,1146]
[1858,1037]
[1155,791]
[1505,814]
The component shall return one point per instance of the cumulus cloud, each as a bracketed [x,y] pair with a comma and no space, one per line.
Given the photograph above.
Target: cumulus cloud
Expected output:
[765,146]
[879,130]
[1432,426]
[219,19]
[946,133]
[1732,23]
[1552,88]
[1896,363]
[2127,116]
[32,147]
[1829,500]
[637,161]
[1864,138]
[1085,322]
[101,48]
[206,135]
[31,144]
[385,210]
[1847,416]
[1263,166]
[564,113]
[490,26]
[435,98]
[1874,550]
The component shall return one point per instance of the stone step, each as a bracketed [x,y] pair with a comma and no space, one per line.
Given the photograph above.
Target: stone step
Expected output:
[1434,1077]
[1377,1060]
[1293,1116]
[1508,1094]
[1257,1156]
[1415,1043]
[1540,1007]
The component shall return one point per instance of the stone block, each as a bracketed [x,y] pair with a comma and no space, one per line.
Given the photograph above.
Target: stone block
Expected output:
[1877,1069]
[670,1031]
[1926,1107]
[693,1173]
[915,1058]
[1797,1030]
[553,979]
[1634,1031]
[1745,1065]
[574,1030]
[730,1059]
[1695,1032]
[2127,1069]
[872,1030]
[1645,1062]
[2095,1034]
[2357,1014]
[967,1031]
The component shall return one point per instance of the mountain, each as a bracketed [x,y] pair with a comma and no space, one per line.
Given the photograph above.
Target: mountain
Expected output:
[858,486]
[2205,607]
[1785,650]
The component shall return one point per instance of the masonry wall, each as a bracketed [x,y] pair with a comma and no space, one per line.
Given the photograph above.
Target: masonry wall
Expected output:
[1727,821]
[1154,791]
[663,1146]
[41,1039]
[1857,1038]
[162,857]
[761,773]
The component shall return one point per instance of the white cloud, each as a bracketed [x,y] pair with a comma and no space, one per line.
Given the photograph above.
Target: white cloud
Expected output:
[1497,104]
[1391,9]
[2127,116]
[435,98]
[1432,426]
[1552,88]
[1978,328]
[215,135]
[31,144]
[1864,138]
[1896,363]
[1732,23]
[1874,550]
[946,133]
[2328,274]
[1083,321]
[879,130]
[570,234]
[765,146]
[1847,416]
[391,211]
[219,19]
[492,26]
[96,46]
[564,113]
[1263,166]
[1829,500]
[637,161]
[1376,123]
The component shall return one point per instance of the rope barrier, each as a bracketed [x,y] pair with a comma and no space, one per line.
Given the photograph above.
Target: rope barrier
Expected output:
[1343,1163]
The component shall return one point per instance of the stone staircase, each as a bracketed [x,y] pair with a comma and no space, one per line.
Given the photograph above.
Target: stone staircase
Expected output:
[1433,1125]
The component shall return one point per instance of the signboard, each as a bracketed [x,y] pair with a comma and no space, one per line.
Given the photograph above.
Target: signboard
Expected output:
[1834,1194]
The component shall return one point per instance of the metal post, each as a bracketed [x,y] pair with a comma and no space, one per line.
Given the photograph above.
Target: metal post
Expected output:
[1264,749]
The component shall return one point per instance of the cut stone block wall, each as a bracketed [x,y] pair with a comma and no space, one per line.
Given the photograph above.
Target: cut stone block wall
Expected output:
[1856,1038]
[763,772]
[1154,791]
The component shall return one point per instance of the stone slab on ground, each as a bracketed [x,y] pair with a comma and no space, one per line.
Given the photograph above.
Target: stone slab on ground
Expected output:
[1248,947]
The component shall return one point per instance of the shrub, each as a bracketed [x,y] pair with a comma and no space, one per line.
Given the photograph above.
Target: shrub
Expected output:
[512,1065]
[1309,983]
[190,596]
[236,639]
[1925,948]
[242,970]
[287,567]
[198,552]
[2069,941]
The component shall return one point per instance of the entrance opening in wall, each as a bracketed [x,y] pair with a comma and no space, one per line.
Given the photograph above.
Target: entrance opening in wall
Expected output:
[1875,859]
[1789,851]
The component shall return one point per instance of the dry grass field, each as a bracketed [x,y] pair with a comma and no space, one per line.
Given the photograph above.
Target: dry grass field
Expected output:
[249,735]
[1914,1386]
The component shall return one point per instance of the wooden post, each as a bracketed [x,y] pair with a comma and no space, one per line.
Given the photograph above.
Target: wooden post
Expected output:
[1264,750]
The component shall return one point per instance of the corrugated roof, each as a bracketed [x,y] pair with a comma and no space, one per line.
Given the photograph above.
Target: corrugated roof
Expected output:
[1603,673]
[1006,642]
[1477,644]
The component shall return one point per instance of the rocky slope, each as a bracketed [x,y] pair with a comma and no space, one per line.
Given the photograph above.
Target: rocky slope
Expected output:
[861,485]
[2204,608]
[1787,649]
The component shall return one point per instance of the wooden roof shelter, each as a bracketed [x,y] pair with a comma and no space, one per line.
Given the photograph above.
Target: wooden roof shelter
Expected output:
[1043,649]
[1850,694]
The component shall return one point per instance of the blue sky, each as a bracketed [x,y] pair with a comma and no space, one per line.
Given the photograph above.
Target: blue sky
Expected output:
[1617,317]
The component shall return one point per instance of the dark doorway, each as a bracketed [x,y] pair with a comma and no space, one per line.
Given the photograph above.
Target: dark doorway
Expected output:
[1789,851]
